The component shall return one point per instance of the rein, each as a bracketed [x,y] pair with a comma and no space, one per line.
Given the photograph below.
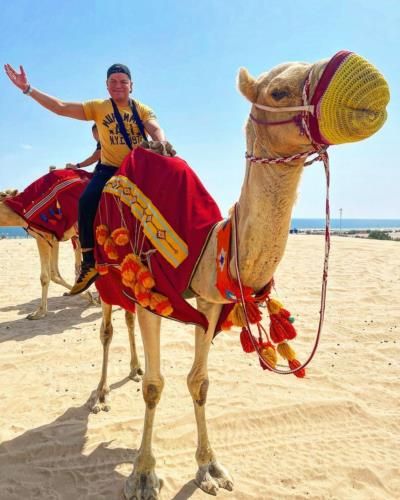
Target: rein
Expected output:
[323,156]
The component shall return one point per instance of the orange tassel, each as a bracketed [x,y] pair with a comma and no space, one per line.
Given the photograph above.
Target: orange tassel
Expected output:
[102,233]
[120,236]
[102,269]
[145,277]
[110,249]
[142,295]
[160,304]
[129,267]
[128,283]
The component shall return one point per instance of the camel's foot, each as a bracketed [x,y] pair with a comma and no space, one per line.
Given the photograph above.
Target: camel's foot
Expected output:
[100,400]
[142,486]
[93,299]
[39,314]
[136,374]
[211,477]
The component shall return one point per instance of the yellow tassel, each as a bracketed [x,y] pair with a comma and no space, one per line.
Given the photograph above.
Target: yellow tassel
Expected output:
[238,318]
[268,354]
[274,306]
[286,351]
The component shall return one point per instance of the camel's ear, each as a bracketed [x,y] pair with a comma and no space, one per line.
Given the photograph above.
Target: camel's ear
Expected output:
[247,85]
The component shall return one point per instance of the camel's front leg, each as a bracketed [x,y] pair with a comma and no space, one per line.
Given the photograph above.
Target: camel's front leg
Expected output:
[211,475]
[143,482]
[45,270]
[100,399]
[136,372]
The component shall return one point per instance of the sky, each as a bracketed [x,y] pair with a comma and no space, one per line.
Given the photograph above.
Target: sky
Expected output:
[184,57]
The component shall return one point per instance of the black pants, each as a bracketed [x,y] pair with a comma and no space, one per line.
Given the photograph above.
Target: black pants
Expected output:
[89,202]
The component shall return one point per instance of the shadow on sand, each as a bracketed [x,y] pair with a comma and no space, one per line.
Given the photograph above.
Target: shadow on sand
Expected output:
[64,313]
[50,462]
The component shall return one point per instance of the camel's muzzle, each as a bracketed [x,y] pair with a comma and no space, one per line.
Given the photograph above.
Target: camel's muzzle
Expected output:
[350,101]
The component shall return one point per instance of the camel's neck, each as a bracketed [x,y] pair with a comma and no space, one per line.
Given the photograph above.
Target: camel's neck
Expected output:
[265,207]
[9,218]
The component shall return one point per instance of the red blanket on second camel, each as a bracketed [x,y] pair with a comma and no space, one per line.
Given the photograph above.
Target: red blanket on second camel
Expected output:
[162,199]
[51,202]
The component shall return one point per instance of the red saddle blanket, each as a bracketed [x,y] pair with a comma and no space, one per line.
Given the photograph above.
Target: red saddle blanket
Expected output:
[51,202]
[167,213]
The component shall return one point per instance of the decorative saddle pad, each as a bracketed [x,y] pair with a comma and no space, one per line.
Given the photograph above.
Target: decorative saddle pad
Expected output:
[51,202]
[168,215]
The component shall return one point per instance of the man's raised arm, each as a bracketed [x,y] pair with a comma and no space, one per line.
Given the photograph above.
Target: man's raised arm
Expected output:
[20,80]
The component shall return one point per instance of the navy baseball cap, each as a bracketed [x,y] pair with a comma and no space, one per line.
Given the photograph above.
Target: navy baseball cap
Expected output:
[119,68]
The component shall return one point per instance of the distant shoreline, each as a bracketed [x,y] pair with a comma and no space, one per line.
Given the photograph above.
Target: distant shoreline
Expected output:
[358,228]
[394,233]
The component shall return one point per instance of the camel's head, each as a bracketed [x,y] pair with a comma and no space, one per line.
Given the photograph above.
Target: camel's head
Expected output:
[9,193]
[333,101]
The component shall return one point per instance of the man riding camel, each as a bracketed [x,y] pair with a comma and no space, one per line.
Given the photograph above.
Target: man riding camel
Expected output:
[122,124]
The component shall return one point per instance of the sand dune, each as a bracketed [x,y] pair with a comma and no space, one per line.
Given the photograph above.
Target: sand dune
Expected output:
[333,435]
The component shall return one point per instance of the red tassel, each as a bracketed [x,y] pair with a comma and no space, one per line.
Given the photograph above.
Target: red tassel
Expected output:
[276,331]
[245,340]
[253,312]
[226,325]
[281,329]
[284,312]
[295,364]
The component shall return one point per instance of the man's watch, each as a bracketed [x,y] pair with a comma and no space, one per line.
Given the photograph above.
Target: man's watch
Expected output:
[28,90]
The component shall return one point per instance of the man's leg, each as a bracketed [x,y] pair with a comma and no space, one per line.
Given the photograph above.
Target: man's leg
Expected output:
[88,204]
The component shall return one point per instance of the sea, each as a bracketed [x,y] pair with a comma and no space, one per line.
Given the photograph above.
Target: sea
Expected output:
[300,224]
[346,224]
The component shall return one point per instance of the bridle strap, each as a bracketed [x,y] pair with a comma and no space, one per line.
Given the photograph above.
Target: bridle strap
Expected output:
[320,155]
[310,108]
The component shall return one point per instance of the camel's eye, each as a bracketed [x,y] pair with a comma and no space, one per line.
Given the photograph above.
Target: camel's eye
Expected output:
[279,94]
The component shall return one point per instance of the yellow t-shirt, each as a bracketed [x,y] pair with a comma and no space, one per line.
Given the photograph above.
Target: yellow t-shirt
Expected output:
[113,147]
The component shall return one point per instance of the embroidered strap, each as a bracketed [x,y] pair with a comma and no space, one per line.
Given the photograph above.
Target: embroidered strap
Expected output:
[227,286]
[121,124]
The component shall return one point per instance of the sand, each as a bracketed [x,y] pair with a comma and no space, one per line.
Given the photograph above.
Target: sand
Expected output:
[333,435]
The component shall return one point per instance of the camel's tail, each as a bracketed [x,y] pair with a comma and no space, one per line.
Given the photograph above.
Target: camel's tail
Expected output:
[8,193]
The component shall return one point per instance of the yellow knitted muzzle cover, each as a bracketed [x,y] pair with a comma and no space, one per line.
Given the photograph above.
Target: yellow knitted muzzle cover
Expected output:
[351,99]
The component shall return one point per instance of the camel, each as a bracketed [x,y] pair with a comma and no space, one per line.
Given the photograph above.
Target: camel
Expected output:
[296,109]
[48,247]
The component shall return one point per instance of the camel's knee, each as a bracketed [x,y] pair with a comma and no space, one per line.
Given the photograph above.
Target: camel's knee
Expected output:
[44,280]
[106,333]
[130,320]
[152,392]
[198,388]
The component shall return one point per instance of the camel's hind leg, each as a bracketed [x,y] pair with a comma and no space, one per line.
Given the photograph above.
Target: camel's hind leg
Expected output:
[45,273]
[55,272]
[136,371]
[143,482]
[100,398]
[211,475]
